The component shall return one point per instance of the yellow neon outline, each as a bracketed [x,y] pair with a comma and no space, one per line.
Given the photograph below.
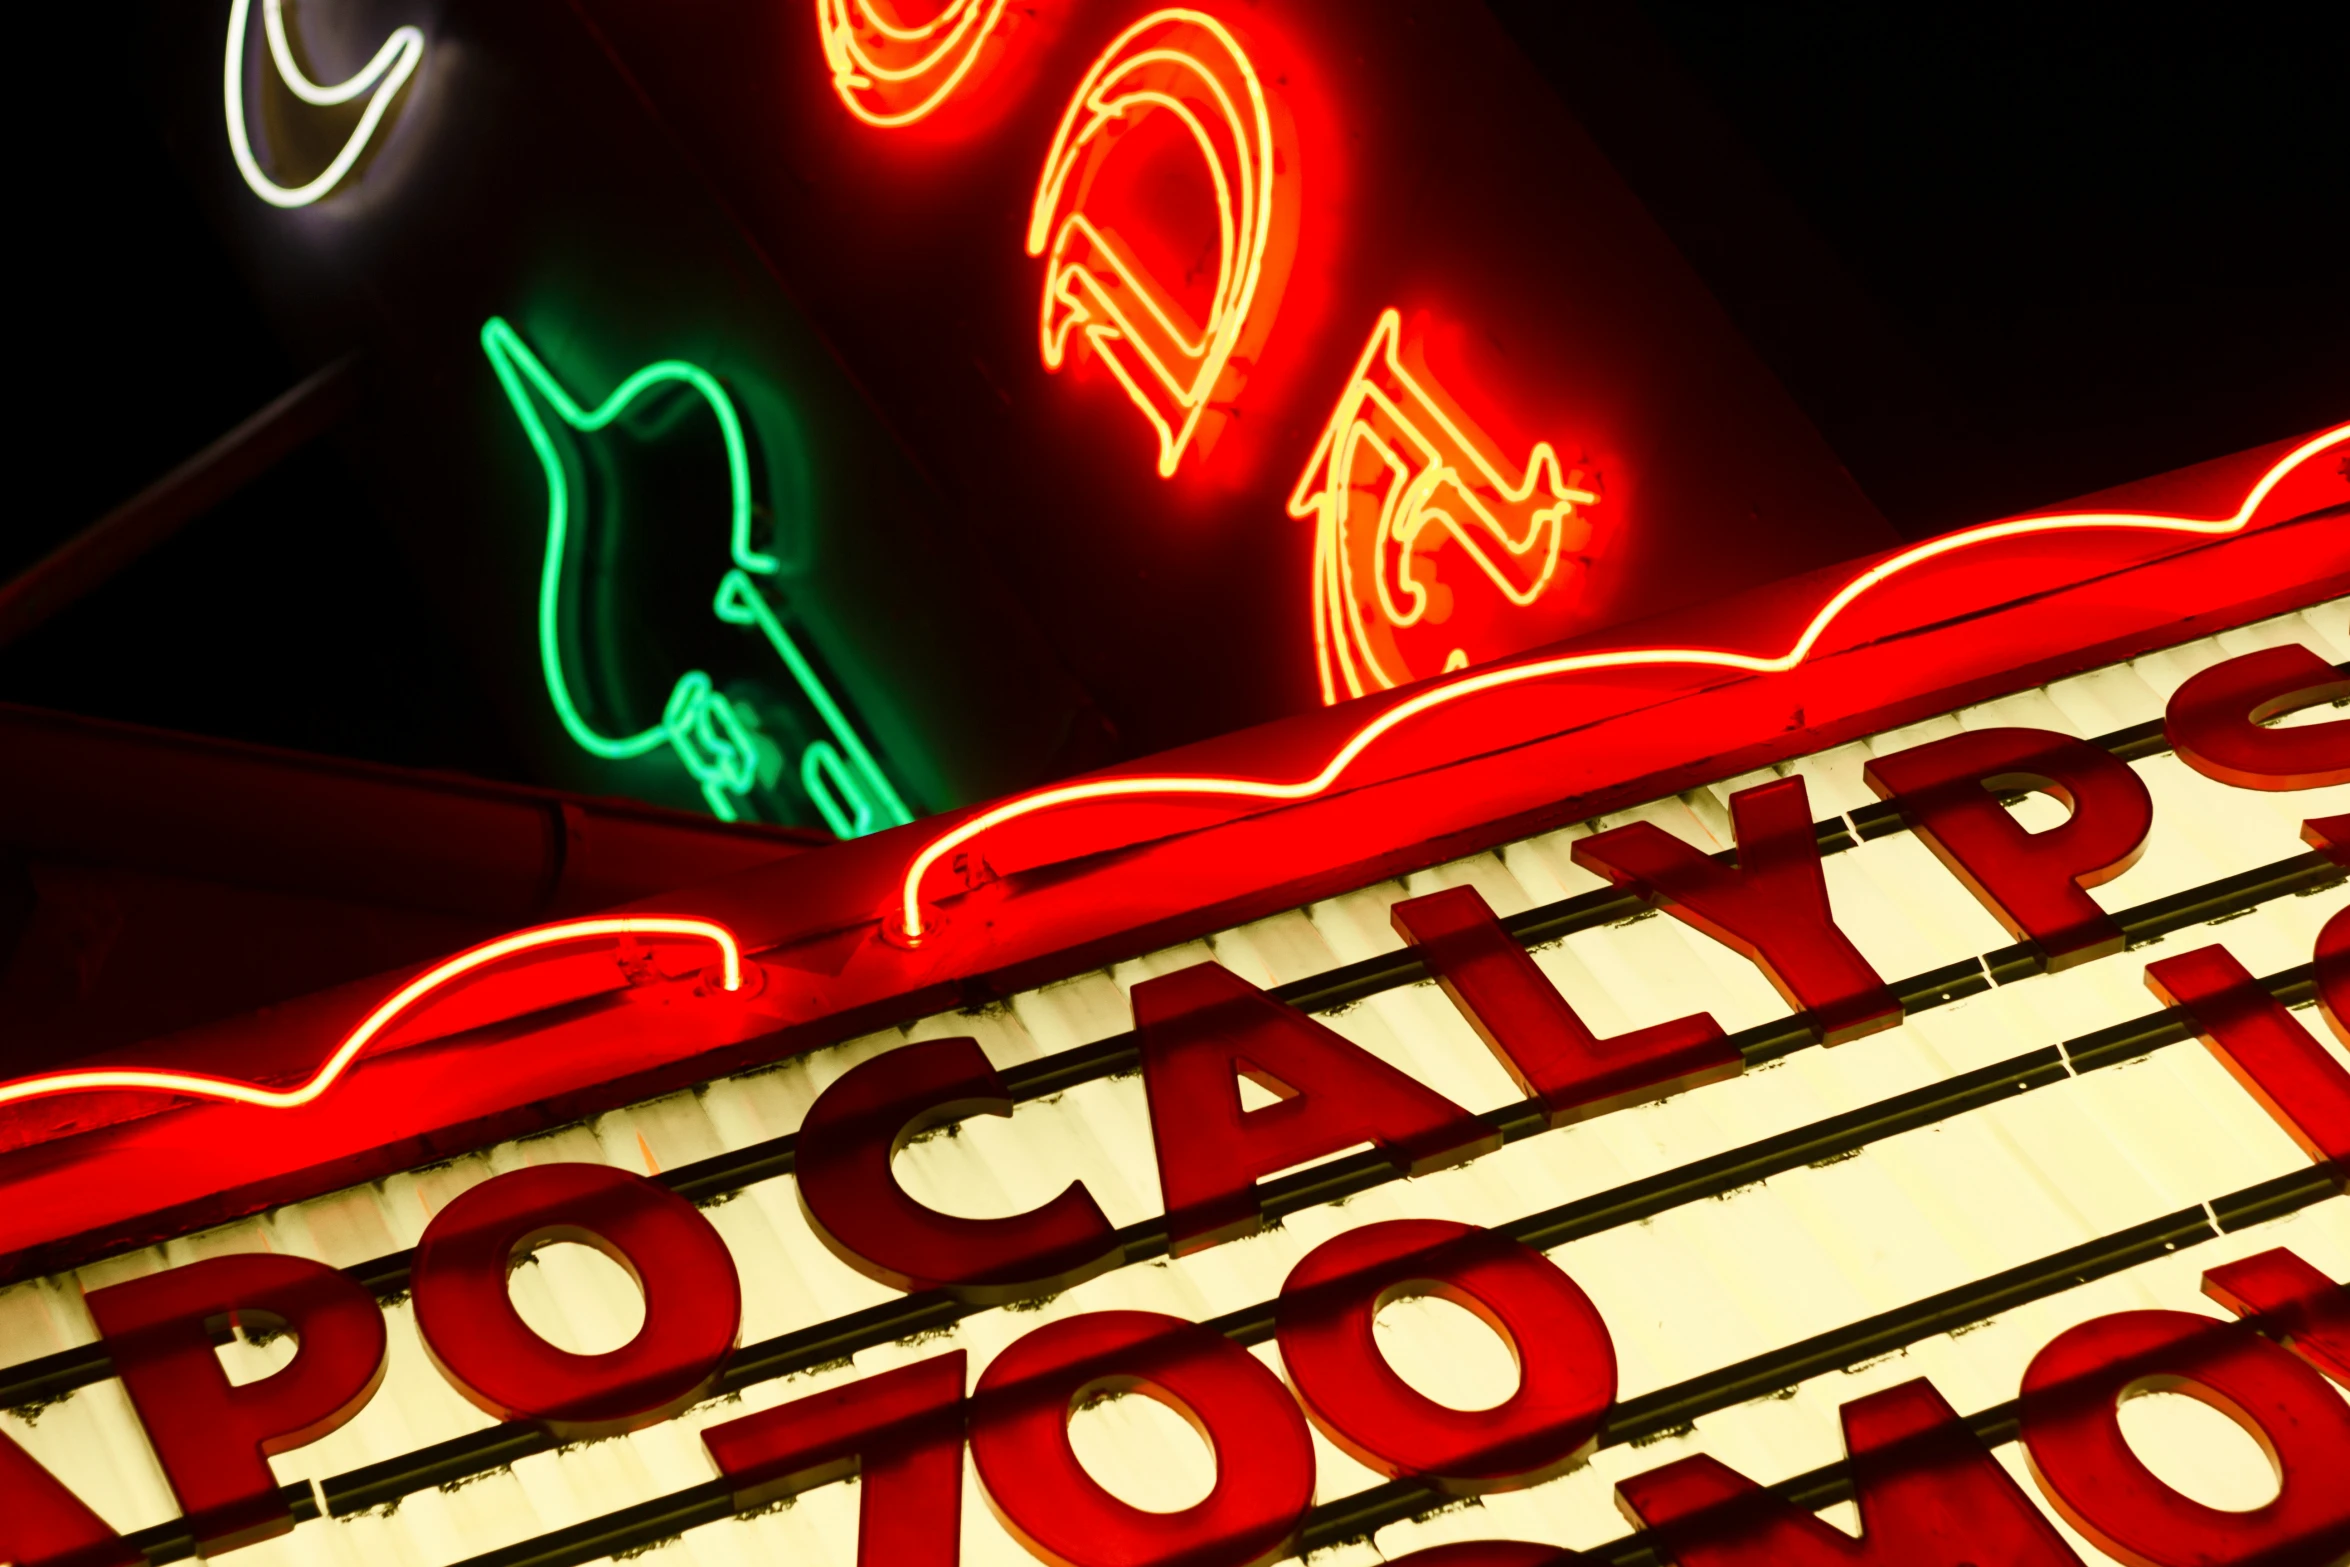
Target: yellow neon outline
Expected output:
[1188,365]
[1427,450]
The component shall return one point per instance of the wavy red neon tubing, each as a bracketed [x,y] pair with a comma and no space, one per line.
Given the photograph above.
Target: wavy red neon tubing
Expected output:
[910,906]
[1440,476]
[197,1085]
[890,73]
[1187,64]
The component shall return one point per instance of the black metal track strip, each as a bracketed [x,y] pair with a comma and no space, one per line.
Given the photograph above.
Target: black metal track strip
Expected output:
[2301,875]
[630,1529]
[385,1482]
[1655,1414]
[1679,1407]
[438,1464]
[174,1541]
[2274,1199]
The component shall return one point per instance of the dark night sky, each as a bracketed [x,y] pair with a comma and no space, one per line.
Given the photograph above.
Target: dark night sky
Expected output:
[2002,254]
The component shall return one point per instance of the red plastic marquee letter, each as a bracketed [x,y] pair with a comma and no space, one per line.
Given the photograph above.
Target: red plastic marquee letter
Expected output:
[2333,973]
[2033,883]
[859,1124]
[1929,1496]
[693,1300]
[1566,1360]
[1035,1484]
[42,1524]
[1187,66]
[1205,1027]
[900,1432]
[214,1439]
[2263,1046]
[1532,1031]
[2292,1303]
[2072,1435]
[2329,836]
[2215,721]
[1772,910]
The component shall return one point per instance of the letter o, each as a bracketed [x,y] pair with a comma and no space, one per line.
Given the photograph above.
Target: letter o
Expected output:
[1037,1487]
[2073,1440]
[1566,1358]
[693,1299]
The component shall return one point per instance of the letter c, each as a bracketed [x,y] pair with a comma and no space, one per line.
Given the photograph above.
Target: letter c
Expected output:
[858,1209]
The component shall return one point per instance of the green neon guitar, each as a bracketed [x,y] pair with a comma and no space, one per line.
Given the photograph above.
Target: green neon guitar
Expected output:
[718,740]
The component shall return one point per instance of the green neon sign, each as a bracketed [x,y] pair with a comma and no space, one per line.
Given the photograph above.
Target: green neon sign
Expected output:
[718,740]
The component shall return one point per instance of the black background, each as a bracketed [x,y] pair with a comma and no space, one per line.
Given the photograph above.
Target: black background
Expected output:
[2001,255]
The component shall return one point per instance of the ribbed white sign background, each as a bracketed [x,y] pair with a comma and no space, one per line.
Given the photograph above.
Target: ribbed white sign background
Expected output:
[1688,1292]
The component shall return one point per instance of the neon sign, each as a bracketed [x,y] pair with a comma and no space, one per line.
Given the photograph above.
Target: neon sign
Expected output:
[1185,64]
[401,1003]
[891,73]
[1395,444]
[716,739]
[387,73]
[907,922]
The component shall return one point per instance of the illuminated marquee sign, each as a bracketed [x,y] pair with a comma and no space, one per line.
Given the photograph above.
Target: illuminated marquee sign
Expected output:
[1601,1177]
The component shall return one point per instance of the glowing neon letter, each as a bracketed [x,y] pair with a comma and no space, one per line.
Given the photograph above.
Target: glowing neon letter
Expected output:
[1398,473]
[715,739]
[892,73]
[388,72]
[909,925]
[1186,64]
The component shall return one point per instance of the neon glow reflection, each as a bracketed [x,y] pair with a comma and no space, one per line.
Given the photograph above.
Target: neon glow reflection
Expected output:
[388,72]
[1185,64]
[1393,439]
[909,910]
[400,1003]
[891,73]
[714,738]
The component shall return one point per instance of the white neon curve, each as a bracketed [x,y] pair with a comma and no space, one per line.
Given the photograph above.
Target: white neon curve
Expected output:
[910,907]
[197,1085]
[393,64]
